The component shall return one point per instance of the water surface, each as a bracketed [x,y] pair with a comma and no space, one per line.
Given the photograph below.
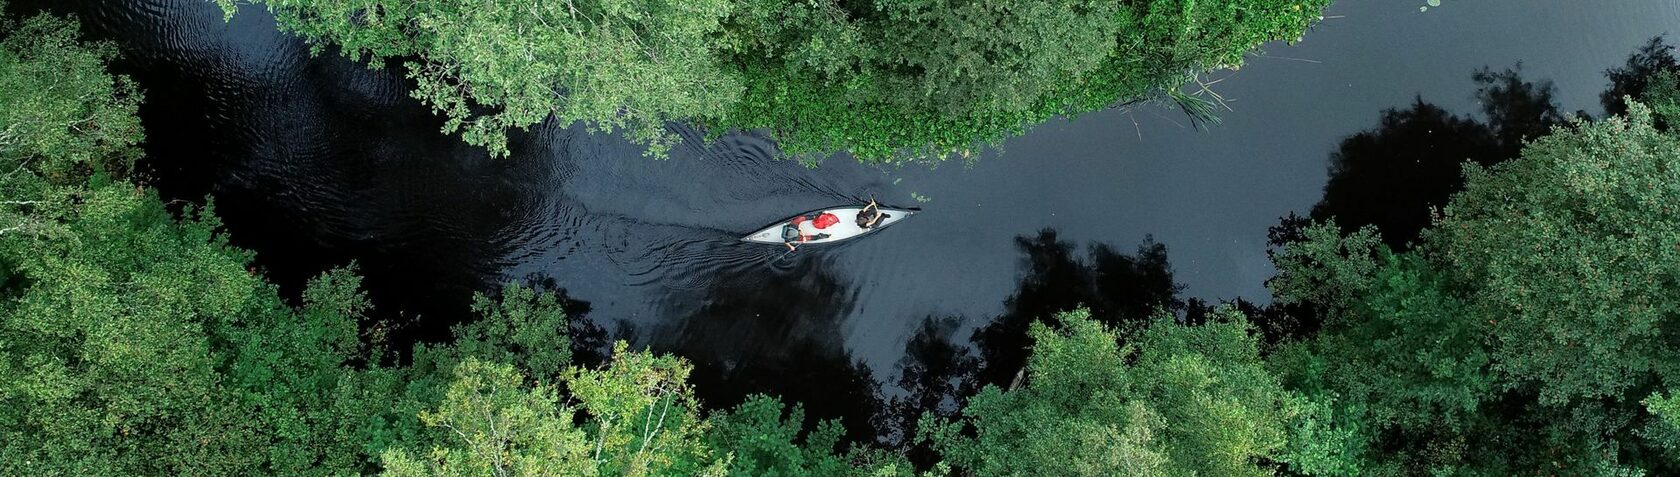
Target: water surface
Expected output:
[318,162]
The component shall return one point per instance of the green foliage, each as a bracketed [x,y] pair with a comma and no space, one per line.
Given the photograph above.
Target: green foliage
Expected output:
[1664,431]
[643,415]
[1321,442]
[923,80]
[1536,315]
[1224,410]
[491,66]
[1186,401]
[1401,355]
[108,327]
[61,115]
[130,342]
[1663,96]
[1575,254]
[498,427]
[523,327]
[1667,408]
[762,441]
[1532,331]
[136,342]
[642,420]
[885,80]
[1394,361]
[1325,267]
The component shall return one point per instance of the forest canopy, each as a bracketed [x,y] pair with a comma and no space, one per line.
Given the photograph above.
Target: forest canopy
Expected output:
[1530,330]
[886,80]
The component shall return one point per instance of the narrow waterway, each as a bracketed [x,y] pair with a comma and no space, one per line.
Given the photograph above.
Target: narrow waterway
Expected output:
[317,162]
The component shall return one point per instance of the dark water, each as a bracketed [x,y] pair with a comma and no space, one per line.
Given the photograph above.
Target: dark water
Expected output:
[318,161]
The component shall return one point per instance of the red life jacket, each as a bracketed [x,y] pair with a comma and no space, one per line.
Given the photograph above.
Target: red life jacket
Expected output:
[825,220]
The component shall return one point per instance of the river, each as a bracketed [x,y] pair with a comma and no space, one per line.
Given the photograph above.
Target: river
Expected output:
[317,161]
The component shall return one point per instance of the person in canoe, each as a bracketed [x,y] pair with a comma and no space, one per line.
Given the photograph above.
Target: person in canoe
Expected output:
[870,215]
[805,228]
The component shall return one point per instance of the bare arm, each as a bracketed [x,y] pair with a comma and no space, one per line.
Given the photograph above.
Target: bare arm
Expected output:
[878,214]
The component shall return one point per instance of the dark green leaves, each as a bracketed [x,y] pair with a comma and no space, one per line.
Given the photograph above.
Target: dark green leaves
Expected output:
[1185,401]
[1537,314]
[887,81]
[61,115]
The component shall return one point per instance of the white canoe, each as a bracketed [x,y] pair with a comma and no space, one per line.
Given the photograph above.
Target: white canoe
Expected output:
[846,229]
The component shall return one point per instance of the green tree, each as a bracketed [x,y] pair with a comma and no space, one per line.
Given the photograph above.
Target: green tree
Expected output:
[521,327]
[1524,333]
[499,427]
[1663,96]
[1664,431]
[61,115]
[490,66]
[762,440]
[642,419]
[135,341]
[923,80]
[1417,371]
[1181,400]
[130,342]
[1574,253]
[885,80]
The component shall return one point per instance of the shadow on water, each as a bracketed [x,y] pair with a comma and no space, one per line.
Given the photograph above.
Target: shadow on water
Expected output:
[317,161]
[1399,175]
[1394,175]
[591,346]
[313,162]
[939,369]
[1632,78]
[1121,291]
[773,331]
[935,376]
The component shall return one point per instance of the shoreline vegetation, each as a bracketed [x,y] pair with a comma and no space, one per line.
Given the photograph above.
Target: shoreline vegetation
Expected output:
[887,81]
[1532,327]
